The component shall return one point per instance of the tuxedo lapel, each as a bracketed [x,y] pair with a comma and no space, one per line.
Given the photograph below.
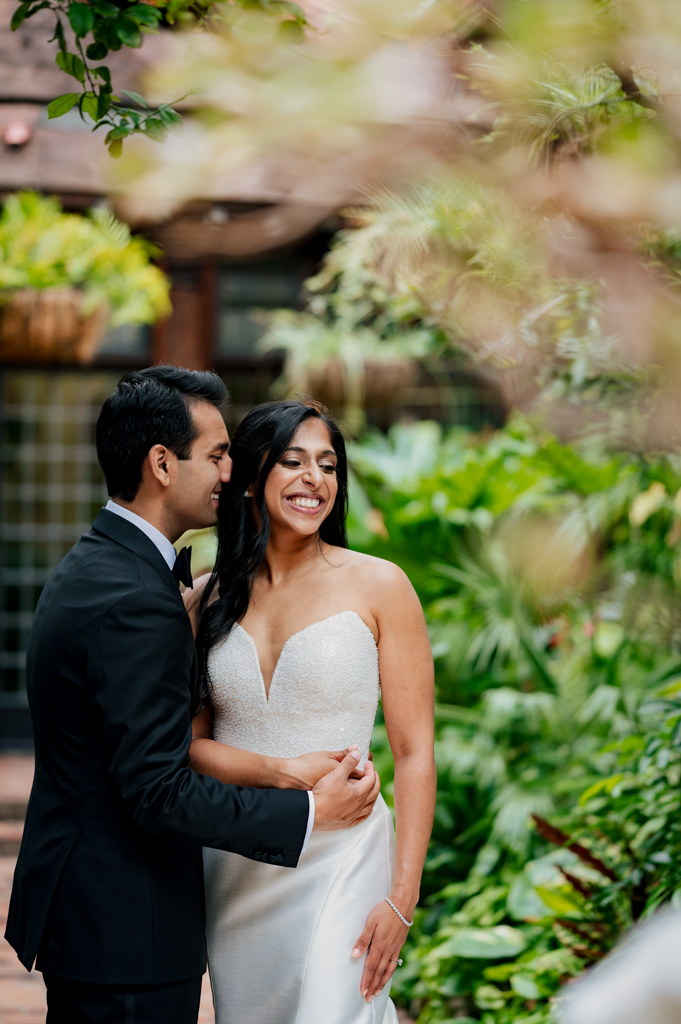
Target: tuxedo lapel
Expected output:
[127,534]
[123,532]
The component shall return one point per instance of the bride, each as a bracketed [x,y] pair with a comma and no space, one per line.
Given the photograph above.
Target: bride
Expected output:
[294,630]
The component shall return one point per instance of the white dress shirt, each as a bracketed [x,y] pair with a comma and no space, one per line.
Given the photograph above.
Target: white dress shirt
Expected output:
[154,535]
[169,555]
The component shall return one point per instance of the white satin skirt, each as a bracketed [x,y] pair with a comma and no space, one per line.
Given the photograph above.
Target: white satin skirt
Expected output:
[280,939]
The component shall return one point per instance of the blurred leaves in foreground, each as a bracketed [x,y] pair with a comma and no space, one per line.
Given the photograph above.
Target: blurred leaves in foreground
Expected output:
[513,177]
[322,104]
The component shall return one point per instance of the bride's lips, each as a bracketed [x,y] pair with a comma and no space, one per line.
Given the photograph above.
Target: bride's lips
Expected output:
[215,496]
[296,500]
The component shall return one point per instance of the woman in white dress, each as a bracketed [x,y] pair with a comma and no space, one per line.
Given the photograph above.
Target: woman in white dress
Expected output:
[294,630]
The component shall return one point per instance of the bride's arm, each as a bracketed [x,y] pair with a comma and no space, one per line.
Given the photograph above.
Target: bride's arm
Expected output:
[243,767]
[406,666]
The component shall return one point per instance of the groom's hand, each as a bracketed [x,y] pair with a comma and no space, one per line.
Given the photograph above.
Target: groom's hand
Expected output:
[305,771]
[341,801]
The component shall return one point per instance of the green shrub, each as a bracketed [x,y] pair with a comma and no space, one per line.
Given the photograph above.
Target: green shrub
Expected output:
[549,576]
[43,247]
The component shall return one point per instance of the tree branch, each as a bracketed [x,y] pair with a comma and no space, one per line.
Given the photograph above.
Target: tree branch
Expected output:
[631,89]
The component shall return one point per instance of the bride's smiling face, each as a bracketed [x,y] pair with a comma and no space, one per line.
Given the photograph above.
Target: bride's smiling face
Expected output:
[301,487]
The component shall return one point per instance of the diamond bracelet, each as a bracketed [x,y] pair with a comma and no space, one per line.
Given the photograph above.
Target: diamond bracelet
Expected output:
[402,919]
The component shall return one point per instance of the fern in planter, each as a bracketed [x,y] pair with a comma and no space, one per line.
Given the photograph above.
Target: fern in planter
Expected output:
[41,247]
[346,366]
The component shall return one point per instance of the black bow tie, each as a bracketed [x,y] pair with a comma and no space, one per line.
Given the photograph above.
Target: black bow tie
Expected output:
[182,570]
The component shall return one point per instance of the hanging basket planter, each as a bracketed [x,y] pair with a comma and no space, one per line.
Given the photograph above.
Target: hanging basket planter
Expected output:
[63,276]
[352,369]
[350,387]
[48,326]
[373,383]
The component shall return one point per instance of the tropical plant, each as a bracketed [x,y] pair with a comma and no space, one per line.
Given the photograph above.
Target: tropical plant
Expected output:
[41,247]
[510,935]
[550,576]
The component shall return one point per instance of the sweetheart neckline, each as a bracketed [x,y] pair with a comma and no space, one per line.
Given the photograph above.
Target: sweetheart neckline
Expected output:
[319,622]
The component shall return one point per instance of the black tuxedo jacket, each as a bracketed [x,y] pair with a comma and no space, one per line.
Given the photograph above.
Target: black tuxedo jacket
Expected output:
[109,883]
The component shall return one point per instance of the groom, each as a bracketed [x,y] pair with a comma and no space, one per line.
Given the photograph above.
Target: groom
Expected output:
[108,889]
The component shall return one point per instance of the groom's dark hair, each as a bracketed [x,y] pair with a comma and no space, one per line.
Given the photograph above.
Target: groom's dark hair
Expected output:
[149,407]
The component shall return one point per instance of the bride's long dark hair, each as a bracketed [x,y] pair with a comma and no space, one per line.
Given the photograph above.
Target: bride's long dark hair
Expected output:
[258,443]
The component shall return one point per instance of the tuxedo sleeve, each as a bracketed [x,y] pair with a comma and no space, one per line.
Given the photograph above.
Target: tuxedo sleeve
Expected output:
[139,667]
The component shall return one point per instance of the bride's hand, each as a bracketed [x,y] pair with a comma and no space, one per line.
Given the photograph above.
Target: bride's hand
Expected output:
[383,936]
[304,772]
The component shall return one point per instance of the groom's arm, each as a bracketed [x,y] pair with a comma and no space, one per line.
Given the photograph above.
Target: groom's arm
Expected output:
[239,767]
[139,667]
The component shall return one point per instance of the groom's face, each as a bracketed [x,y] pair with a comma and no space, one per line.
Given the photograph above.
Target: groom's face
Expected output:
[197,482]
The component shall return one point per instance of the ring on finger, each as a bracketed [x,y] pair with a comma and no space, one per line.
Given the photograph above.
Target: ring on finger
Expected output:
[398,962]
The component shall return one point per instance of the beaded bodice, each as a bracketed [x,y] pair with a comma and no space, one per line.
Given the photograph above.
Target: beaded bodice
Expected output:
[323,695]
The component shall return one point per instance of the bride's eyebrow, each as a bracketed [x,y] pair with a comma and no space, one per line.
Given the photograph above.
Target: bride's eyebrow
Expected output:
[303,451]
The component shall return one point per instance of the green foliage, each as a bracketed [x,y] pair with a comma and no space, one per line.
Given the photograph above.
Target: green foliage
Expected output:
[433,259]
[550,579]
[456,268]
[111,26]
[443,219]
[489,264]
[310,343]
[559,111]
[618,861]
[43,247]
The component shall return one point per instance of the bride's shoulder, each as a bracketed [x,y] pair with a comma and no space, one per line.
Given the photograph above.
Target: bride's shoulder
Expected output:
[378,573]
[384,591]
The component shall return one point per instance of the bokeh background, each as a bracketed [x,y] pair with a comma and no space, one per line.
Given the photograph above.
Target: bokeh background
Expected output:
[459,225]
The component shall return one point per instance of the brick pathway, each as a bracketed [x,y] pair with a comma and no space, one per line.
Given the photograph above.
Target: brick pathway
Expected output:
[22,995]
[16,776]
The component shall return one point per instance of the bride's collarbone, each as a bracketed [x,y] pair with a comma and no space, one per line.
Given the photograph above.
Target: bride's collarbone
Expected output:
[277,613]
[273,618]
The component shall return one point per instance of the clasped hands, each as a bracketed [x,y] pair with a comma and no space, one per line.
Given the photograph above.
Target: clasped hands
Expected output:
[344,795]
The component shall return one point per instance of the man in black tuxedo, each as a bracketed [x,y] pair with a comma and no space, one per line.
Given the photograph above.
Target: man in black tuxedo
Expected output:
[108,889]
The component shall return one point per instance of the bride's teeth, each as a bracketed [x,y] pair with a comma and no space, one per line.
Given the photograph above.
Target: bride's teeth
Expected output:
[306,502]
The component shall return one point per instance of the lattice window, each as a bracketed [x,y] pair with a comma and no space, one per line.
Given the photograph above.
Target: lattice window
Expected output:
[244,290]
[51,490]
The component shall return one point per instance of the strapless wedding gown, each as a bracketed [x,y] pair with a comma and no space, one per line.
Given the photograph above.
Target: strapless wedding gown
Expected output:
[279,939]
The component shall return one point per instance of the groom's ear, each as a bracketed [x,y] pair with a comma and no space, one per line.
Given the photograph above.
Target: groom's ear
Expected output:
[157,464]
